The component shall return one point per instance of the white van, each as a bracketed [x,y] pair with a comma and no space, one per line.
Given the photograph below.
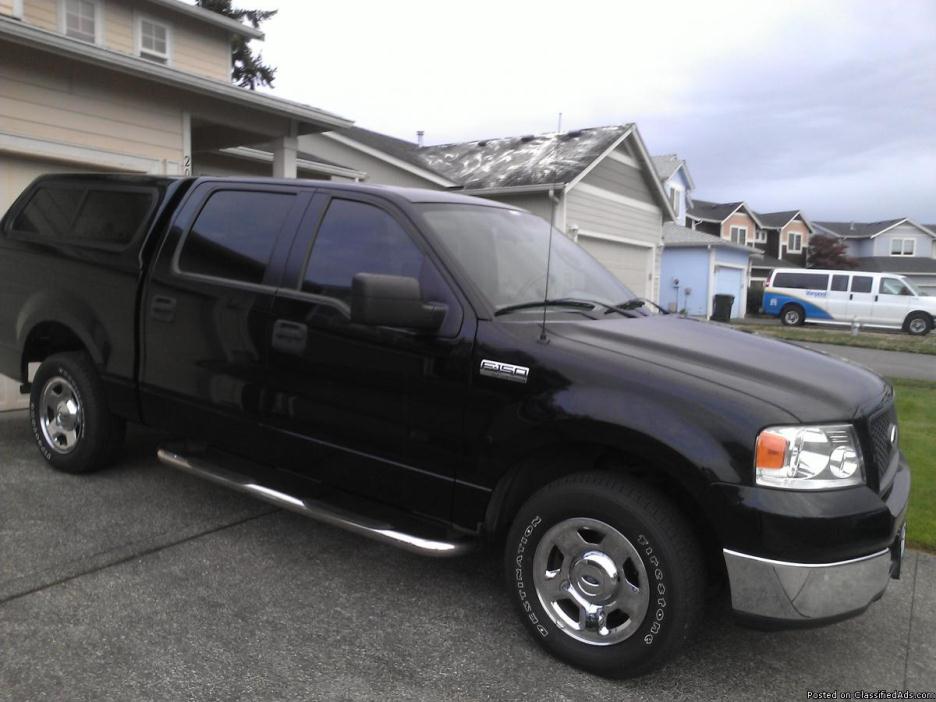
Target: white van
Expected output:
[883,300]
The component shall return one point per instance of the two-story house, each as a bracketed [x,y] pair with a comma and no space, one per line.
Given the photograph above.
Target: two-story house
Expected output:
[139,86]
[136,86]
[598,185]
[677,182]
[893,246]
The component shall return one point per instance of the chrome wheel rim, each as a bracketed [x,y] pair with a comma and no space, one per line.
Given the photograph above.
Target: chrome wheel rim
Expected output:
[61,417]
[917,325]
[591,581]
[792,317]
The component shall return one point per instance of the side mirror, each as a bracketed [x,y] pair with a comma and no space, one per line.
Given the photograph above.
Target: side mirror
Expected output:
[393,301]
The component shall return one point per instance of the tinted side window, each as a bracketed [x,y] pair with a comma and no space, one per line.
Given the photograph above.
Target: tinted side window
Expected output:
[840,283]
[355,237]
[80,215]
[112,216]
[803,281]
[235,234]
[861,284]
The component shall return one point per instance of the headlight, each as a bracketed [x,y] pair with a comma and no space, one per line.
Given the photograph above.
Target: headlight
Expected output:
[809,458]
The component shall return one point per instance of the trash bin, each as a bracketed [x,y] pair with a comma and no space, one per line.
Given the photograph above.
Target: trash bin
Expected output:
[721,309]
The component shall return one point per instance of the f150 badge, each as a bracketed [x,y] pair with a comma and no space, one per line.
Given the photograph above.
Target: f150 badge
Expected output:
[505,371]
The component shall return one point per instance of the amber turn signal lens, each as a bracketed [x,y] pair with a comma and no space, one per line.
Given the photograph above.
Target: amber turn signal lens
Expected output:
[771,449]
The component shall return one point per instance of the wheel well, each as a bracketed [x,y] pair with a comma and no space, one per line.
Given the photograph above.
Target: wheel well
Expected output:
[554,462]
[918,313]
[45,339]
[793,304]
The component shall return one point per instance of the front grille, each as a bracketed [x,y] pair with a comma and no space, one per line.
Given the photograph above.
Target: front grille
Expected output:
[879,426]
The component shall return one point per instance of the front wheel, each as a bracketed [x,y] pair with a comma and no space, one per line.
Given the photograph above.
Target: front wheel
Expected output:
[792,316]
[606,573]
[75,431]
[919,324]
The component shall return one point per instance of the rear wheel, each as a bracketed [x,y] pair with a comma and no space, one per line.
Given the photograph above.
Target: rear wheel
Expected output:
[71,423]
[919,324]
[606,573]
[792,315]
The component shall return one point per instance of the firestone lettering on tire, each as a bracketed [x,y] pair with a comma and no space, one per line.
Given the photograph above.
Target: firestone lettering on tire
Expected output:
[518,573]
[660,614]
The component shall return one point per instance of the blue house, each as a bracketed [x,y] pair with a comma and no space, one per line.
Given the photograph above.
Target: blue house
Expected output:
[697,266]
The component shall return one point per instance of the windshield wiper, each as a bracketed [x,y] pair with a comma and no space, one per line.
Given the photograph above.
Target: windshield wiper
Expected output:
[630,305]
[558,302]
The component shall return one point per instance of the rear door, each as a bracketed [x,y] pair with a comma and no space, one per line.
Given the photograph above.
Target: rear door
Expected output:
[375,411]
[892,303]
[861,298]
[206,313]
[837,299]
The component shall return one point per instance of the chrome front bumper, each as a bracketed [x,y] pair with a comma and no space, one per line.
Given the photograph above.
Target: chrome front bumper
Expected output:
[807,593]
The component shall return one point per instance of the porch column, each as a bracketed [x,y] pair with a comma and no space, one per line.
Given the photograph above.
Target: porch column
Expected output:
[284,157]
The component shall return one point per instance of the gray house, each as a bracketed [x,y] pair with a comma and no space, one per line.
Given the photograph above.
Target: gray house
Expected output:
[893,246]
[598,185]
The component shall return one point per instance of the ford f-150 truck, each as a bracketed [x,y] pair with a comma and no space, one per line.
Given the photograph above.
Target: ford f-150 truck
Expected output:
[393,362]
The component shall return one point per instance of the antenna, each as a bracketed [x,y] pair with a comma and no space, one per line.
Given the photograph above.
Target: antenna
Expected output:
[549,233]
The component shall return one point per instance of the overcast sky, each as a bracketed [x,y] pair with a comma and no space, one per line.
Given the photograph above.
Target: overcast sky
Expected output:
[828,106]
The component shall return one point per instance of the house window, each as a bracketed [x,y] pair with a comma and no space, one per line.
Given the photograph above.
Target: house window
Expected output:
[794,242]
[903,247]
[739,235]
[80,20]
[674,199]
[760,236]
[154,40]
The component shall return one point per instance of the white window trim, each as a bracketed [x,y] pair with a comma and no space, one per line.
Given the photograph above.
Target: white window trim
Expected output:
[798,249]
[742,230]
[903,241]
[18,9]
[760,236]
[98,21]
[138,37]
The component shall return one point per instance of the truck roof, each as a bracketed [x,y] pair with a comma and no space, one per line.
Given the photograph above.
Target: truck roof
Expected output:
[411,195]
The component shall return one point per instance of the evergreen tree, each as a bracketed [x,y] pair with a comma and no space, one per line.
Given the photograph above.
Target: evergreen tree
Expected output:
[249,69]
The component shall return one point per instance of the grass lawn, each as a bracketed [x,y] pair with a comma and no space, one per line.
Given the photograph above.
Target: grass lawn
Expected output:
[867,339]
[916,412]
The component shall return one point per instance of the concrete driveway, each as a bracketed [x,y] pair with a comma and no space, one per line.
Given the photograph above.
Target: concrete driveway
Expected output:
[140,583]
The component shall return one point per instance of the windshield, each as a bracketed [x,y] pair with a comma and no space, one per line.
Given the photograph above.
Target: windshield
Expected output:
[504,253]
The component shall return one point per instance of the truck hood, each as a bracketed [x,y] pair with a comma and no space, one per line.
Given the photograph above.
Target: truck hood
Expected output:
[810,385]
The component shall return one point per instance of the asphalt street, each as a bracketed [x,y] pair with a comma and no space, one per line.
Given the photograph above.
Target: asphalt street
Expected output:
[141,583]
[890,364]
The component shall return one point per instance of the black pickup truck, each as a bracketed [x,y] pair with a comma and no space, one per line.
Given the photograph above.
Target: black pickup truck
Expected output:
[391,361]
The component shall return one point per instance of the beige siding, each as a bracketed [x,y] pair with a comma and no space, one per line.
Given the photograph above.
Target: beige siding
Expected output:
[196,47]
[6,7]
[377,171]
[42,13]
[42,98]
[537,203]
[620,178]
[605,216]
[223,165]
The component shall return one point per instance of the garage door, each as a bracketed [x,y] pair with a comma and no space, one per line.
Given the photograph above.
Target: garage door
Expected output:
[632,265]
[15,174]
[730,281]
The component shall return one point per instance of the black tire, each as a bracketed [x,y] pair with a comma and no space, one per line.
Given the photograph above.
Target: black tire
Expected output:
[98,434]
[674,570]
[792,315]
[918,324]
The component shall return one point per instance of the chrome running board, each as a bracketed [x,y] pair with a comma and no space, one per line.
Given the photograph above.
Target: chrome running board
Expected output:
[417,539]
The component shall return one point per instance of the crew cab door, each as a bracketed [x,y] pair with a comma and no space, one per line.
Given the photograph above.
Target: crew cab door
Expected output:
[374,411]
[861,298]
[206,313]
